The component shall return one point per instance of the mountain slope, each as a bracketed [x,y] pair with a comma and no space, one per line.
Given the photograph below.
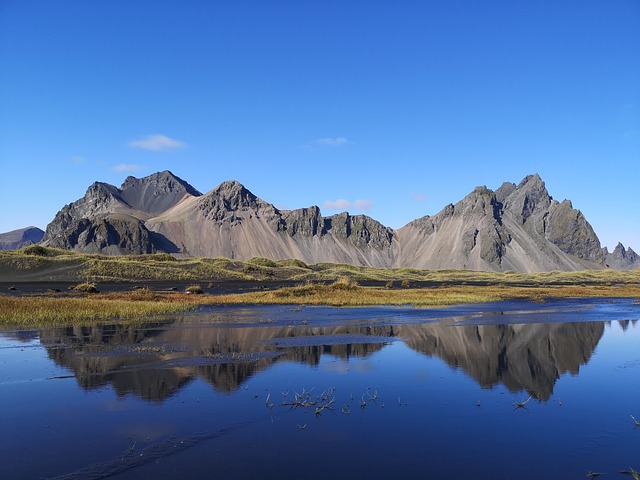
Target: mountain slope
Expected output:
[229,221]
[518,227]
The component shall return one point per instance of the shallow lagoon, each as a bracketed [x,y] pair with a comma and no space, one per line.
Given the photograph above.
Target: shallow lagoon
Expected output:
[417,393]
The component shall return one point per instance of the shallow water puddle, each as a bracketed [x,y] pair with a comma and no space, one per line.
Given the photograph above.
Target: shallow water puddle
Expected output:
[509,390]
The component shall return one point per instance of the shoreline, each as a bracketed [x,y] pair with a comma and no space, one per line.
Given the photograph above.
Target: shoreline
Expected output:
[52,303]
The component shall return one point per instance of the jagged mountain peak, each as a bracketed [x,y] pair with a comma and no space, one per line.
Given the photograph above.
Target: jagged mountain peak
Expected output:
[480,192]
[481,201]
[504,191]
[619,248]
[625,253]
[533,179]
[526,199]
[234,194]
[162,181]
[621,258]
[97,189]
[231,188]
[155,193]
[228,198]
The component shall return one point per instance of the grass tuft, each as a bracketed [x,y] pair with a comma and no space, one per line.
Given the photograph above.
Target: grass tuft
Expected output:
[194,290]
[86,287]
[37,250]
[263,262]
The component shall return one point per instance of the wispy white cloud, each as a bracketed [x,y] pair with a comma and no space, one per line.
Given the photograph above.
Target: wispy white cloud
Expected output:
[418,197]
[157,143]
[78,160]
[127,167]
[342,205]
[330,142]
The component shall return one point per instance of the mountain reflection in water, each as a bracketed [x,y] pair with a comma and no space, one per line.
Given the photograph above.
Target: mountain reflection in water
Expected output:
[154,361]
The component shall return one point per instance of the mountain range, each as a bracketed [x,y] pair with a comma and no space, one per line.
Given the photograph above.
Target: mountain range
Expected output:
[516,227]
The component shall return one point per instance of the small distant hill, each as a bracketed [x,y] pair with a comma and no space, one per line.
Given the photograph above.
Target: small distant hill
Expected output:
[20,238]
[517,227]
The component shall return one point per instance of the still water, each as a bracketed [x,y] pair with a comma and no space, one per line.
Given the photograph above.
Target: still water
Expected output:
[497,391]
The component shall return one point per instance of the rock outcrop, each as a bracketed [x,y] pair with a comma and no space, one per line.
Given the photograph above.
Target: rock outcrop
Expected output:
[517,227]
[20,238]
[112,234]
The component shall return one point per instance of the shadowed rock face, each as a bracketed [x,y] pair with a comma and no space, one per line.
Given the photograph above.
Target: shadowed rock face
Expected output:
[156,361]
[156,193]
[558,223]
[517,227]
[20,238]
[111,234]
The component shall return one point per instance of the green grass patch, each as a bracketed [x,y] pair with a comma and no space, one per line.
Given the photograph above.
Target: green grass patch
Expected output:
[263,262]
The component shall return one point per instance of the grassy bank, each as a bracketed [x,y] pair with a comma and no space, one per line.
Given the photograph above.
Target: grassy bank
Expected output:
[344,294]
[36,263]
[315,287]
[70,308]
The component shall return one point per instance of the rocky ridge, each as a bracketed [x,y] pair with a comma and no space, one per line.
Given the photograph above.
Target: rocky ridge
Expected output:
[517,227]
[621,258]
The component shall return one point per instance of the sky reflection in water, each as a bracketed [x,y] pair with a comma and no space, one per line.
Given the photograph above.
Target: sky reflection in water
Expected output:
[418,393]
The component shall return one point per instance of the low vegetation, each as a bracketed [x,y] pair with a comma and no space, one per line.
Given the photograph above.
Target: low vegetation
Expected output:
[38,311]
[61,308]
[194,289]
[45,264]
[36,250]
[317,284]
[338,295]
[86,287]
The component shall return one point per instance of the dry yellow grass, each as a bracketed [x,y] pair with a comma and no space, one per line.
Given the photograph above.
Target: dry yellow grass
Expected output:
[37,311]
[65,308]
[441,296]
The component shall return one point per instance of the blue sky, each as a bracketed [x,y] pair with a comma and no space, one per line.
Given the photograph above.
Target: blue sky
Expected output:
[389,108]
